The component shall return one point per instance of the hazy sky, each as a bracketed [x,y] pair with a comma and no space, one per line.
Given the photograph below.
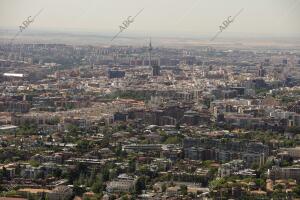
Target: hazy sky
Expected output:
[159,17]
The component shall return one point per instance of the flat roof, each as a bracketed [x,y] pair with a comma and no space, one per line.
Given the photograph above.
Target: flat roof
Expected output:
[31,190]
[7,127]
[13,75]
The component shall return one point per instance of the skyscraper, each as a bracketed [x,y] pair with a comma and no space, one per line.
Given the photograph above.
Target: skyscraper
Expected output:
[261,71]
[155,66]
[150,53]
[155,70]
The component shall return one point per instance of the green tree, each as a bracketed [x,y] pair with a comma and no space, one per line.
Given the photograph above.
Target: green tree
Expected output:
[57,172]
[217,183]
[183,189]
[78,190]
[260,183]
[163,187]
[140,185]
[72,129]
[97,187]
[92,177]
[105,174]
[173,140]
[83,146]
[28,128]
[296,191]
[131,166]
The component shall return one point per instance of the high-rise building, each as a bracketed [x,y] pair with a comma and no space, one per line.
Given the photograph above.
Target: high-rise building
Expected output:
[266,62]
[285,61]
[155,70]
[150,53]
[155,65]
[261,72]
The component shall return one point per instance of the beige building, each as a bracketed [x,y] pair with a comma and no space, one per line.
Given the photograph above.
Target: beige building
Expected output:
[60,193]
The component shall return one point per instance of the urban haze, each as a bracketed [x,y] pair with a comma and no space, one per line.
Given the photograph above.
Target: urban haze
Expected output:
[149,100]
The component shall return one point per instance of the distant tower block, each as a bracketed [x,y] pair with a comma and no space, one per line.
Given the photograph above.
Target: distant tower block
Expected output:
[155,65]
[150,53]
[284,61]
[261,72]
[267,61]
[155,70]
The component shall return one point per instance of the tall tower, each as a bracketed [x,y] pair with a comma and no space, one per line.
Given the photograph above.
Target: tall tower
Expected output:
[261,71]
[150,53]
[155,65]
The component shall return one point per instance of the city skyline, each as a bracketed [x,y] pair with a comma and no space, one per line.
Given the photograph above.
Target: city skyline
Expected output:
[149,100]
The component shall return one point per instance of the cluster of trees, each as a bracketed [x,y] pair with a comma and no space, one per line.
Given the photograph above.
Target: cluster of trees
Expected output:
[171,139]
[28,128]
[81,178]
[223,185]
[95,179]
[53,121]
[3,174]
[13,154]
